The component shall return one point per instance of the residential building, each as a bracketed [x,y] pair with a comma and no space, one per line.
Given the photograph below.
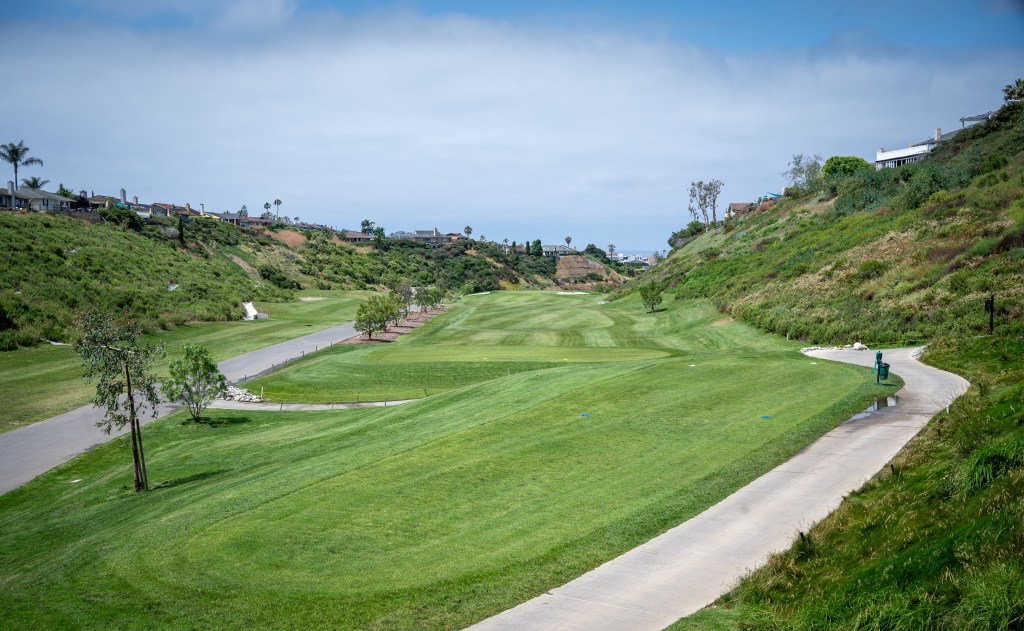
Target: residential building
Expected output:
[555,250]
[356,237]
[13,198]
[430,237]
[43,201]
[917,151]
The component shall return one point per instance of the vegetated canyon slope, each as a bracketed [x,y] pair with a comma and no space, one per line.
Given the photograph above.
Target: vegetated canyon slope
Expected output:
[889,256]
[904,255]
[576,271]
[54,267]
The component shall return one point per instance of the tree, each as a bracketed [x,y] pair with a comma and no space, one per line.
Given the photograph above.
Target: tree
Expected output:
[123,372]
[704,201]
[611,249]
[568,240]
[17,155]
[195,381]
[1012,92]
[34,182]
[841,166]
[266,207]
[434,297]
[64,192]
[404,292]
[537,249]
[714,188]
[366,227]
[468,230]
[277,203]
[374,314]
[650,295]
[378,238]
[804,172]
[243,211]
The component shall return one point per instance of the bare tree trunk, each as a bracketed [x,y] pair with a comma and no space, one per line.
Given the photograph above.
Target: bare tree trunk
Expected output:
[142,457]
[141,483]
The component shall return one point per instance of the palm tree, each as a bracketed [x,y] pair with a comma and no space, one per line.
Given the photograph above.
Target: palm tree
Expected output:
[568,240]
[278,202]
[1014,91]
[34,182]
[611,249]
[468,230]
[17,155]
[266,206]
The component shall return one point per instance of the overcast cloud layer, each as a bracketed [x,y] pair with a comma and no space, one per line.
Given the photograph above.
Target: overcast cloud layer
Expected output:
[421,122]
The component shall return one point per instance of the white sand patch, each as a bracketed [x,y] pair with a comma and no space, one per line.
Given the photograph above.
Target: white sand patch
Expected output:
[310,298]
[572,293]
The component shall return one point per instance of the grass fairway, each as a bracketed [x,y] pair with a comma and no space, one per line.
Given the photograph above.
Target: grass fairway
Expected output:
[502,334]
[37,383]
[431,515]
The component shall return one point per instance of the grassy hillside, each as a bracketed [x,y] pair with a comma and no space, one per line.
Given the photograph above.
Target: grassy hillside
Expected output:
[893,256]
[434,514]
[55,267]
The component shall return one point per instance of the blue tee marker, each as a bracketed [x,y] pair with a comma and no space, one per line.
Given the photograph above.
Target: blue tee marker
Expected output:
[766,417]
[584,414]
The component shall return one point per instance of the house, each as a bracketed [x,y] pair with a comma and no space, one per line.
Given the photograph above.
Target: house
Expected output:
[356,237]
[738,208]
[13,198]
[917,151]
[556,250]
[429,237]
[42,201]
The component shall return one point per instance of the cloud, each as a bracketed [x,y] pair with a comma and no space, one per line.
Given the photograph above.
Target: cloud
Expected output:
[421,122]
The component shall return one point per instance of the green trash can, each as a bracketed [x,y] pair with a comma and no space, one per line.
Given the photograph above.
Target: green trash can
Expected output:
[883,371]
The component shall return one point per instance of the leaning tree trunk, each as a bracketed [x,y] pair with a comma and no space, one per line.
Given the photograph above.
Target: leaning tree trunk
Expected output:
[137,458]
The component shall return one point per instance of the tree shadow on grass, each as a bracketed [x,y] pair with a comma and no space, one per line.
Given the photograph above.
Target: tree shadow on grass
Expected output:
[196,477]
[218,421]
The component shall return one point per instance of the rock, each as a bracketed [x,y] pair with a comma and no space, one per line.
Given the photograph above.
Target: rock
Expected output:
[857,346]
[241,395]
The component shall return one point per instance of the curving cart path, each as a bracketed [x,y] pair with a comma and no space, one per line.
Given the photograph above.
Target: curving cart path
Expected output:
[688,567]
[28,451]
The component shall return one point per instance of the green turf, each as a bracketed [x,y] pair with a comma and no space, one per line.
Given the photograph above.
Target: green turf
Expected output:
[498,335]
[37,383]
[431,515]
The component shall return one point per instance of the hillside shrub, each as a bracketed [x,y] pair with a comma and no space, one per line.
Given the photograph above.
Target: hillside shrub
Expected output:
[871,269]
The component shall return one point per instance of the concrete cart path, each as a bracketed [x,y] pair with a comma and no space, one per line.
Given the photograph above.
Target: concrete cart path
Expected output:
[688,567]
[28,451]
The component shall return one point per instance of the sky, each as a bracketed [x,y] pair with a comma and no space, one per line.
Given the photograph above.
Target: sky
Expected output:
[525,120]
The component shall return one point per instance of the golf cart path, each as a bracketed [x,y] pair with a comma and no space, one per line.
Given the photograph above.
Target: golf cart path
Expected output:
[28,451]
[688,567]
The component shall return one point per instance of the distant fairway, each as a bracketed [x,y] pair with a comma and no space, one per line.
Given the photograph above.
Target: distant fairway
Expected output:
[437,513]
[502,334]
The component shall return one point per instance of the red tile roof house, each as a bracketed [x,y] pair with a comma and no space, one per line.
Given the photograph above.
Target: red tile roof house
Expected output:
[739,208]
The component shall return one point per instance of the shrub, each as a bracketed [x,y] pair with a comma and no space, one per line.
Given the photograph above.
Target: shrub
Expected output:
[871,269]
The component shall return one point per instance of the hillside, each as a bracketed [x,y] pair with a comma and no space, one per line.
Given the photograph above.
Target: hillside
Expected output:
[905,255]
[54,267]
[891,256]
